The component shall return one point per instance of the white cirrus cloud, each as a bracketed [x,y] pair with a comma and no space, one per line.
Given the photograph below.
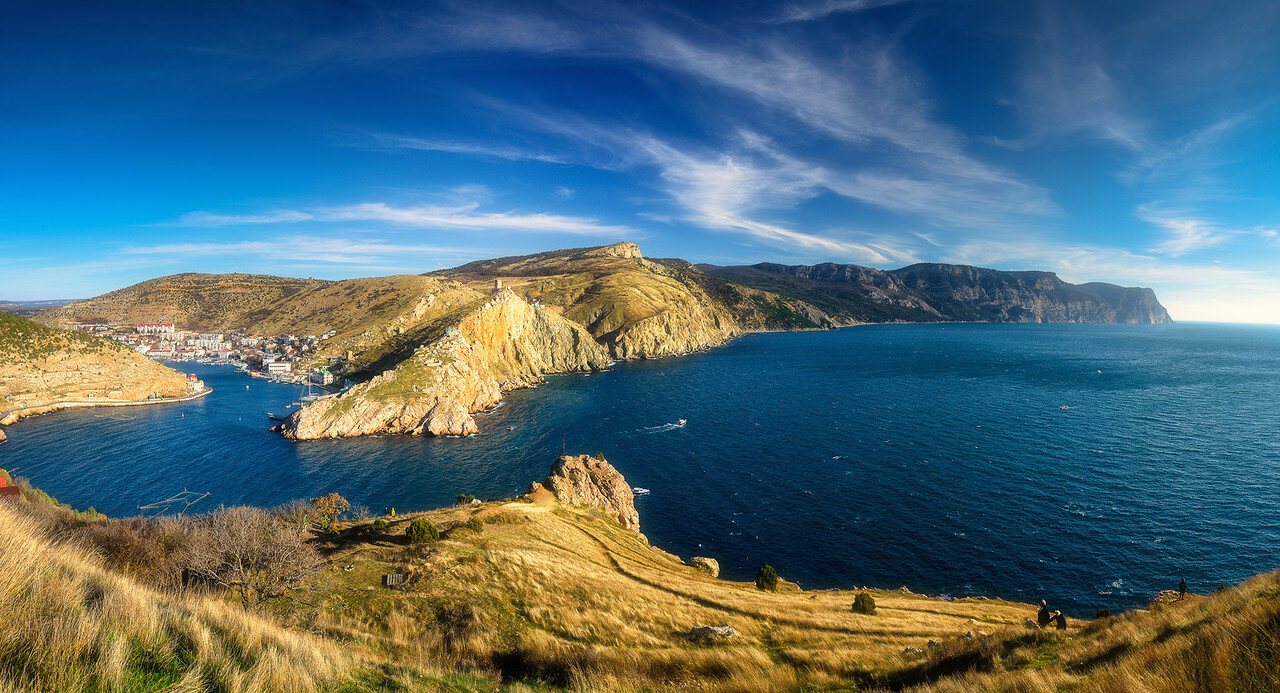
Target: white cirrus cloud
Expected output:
[327,250]
[460,217]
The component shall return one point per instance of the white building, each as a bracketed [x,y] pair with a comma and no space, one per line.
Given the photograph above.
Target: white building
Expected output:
[278,367]
[155,328]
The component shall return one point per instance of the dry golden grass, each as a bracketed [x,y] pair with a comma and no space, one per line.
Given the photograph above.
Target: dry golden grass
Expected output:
[566,597]
[71,625]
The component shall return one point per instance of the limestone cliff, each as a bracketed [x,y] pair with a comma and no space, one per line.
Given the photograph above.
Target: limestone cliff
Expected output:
[593,482]
[504,343]
[43,369]
[940,292]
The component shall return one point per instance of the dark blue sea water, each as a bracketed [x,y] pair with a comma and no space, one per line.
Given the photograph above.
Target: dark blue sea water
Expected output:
[1092,465]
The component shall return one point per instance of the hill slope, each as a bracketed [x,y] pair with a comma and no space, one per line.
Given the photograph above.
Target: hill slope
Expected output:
[545,589]
[936,292]
[192,301]
[638,308]
[545,593]
[43,369]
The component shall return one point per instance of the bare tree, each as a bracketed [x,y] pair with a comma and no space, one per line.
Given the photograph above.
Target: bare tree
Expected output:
[251,552]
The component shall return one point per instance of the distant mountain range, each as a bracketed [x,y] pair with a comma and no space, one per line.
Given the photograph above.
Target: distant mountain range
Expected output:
[29,308]
[954,293]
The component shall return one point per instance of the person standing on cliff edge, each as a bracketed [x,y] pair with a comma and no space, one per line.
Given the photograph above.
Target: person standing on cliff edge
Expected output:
[1182,589]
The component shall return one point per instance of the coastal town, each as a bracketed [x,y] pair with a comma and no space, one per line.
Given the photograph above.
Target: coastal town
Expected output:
[281,358]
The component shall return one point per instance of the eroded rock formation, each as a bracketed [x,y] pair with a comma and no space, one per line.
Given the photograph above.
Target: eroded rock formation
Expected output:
[593,482]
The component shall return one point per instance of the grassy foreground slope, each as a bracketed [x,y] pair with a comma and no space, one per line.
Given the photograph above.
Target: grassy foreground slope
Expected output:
[563,596]
[532,594]
[72,625]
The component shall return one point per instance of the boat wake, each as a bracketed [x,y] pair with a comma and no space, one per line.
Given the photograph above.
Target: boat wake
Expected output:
[661,429]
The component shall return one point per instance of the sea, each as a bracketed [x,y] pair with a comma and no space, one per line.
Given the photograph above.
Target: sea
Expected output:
[1088,465]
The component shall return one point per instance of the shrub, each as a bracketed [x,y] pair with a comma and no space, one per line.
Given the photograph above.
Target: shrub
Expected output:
[249,551]
[1102,613]
[465,499]
[767,579]
[476,525]
[422,531]
[600,456]
[379,524]
[864,603]
[330,508]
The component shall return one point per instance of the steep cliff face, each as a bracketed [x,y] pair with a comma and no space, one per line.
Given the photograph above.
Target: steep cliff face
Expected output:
[502,344]
[593,482]
[43,369]
[939,292]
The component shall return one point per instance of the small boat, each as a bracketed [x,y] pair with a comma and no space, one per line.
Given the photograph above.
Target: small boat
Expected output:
[273,417]
[640,491]
[681,423]
[511,428]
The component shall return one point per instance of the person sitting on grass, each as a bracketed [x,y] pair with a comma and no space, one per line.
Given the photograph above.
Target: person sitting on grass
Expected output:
[1060,620]
[1043,616]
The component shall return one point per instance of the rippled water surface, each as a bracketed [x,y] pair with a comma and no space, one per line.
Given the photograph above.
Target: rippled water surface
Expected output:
[1090,464]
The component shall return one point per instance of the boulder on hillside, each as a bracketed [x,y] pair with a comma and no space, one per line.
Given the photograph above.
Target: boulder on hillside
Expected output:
[591,481]
[712,633]
[710,566]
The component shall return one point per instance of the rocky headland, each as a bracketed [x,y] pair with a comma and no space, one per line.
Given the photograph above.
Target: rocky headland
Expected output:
[503,344]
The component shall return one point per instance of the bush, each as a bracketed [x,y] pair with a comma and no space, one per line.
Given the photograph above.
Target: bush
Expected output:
[476,525]
[330,508]
[379,524]
[251,552]
[767,579]
[1102,613]
[422,531]
[600,456]
[465,499]
[864,603]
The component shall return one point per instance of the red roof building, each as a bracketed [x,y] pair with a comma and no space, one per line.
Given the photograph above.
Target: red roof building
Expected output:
[6,490]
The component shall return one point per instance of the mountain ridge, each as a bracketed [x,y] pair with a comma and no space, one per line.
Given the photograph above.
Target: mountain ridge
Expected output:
[941,292]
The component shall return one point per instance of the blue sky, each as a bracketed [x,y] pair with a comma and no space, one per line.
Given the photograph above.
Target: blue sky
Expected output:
[1130,142]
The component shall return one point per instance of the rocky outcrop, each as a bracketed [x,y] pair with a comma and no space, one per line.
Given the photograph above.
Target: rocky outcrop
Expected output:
[593,482]
[710,566]
[940,292]
[503,344]
[707,634]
